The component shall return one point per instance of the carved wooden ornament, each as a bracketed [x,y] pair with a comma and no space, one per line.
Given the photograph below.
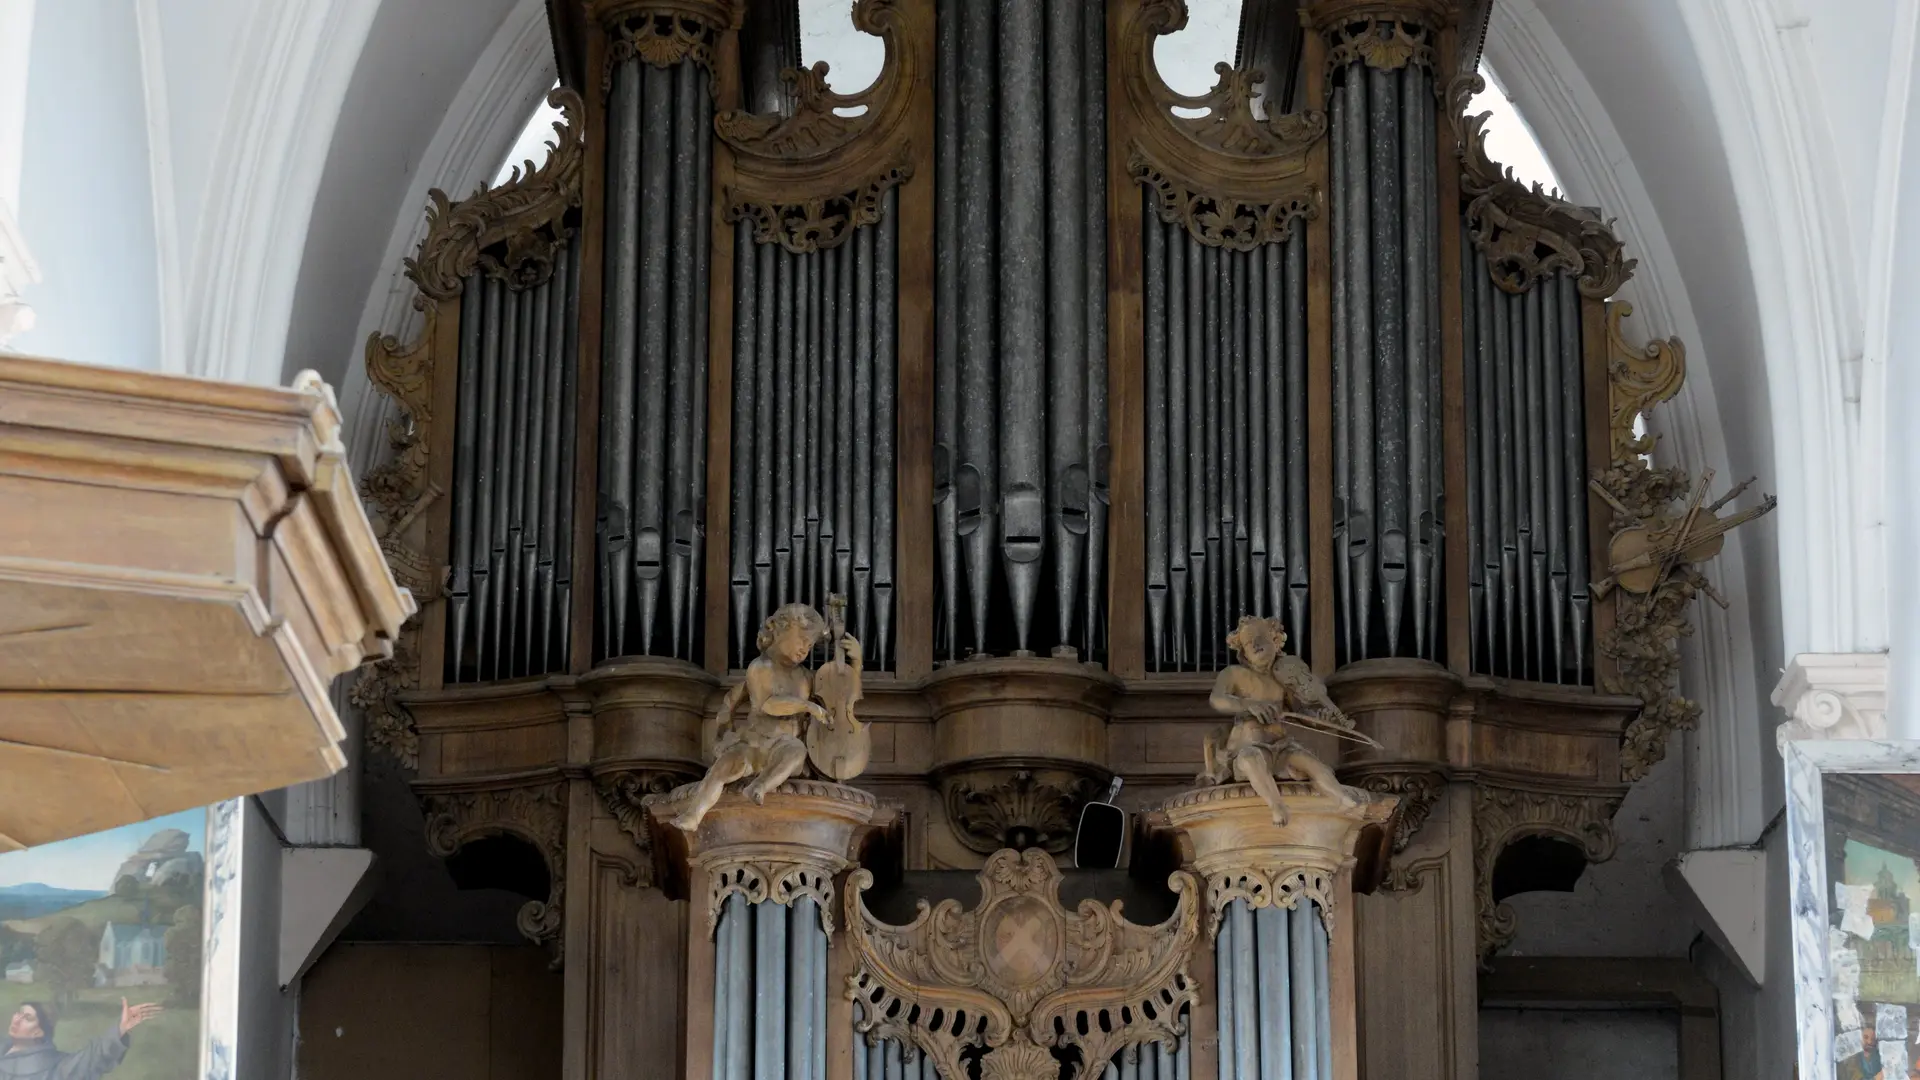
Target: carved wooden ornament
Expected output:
[1233,179]
[1020,975]
[809,179]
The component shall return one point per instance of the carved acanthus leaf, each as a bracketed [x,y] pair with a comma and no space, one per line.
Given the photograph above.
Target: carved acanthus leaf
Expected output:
[513,232]
[1282,888]
[1418,791]
[624,791]
[816,224]
[1526,234]
[1218,221]
[1502,815]
[387,727]
[1383,42]
[1027,973]
[535,813]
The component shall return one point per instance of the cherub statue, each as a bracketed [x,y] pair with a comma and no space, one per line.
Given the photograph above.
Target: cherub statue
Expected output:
[781,703]
[1266,689]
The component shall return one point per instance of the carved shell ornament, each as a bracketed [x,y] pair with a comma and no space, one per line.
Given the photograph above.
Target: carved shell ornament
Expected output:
[1018,975]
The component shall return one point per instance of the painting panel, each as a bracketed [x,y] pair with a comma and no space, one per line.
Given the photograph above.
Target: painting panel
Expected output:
[101,953]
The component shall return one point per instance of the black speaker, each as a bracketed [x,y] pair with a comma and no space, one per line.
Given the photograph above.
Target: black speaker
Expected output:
[1102,833]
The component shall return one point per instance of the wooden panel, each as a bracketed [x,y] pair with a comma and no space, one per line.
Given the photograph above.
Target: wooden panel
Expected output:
[719,359]
[914,570]
[639,980]
[586,422]
[1406,1011]
[430,1012]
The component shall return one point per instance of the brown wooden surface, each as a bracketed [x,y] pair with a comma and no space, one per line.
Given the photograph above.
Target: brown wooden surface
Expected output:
[719,359]
[1126,388]
[445,349]
[1318,646]
[840,1037]
[1593,325]
[577,932]
[1205,1029]
[914,572]
[184,568]
[1343,984]
[1453,381]
[430,1012]
[586,423]
[697,1047]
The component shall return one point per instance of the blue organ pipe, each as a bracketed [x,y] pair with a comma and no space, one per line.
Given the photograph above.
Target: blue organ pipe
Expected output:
[769,991]
[1225,944]
[802,987]
[1270,949]
[1246,1028]
[724,987]
[1322,999]
[738,1028]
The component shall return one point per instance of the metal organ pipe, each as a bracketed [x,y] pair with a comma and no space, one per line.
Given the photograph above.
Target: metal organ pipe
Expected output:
[653,372]
[1020,349]
[1388,469]
[1526,480]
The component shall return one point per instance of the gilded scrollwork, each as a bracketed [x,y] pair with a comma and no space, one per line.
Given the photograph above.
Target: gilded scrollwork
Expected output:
[1027,974]
[809,178]
[535,813]
[1386,43]
[1524,233]
[1502,815]
[1663,533]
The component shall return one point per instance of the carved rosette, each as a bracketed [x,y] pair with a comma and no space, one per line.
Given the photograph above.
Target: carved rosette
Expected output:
[1655,509]
[512,232]
[792,845]
[1026,973]
[535,813]
[1526,234]
[662,33]
[1417,791]
[1502,815]
[1232,178]
[1017,808]
[1243,855]
[807,180]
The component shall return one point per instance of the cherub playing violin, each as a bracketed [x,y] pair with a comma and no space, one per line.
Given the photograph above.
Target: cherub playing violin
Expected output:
[1265,690]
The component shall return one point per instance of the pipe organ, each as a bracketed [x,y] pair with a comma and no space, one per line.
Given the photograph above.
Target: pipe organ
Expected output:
[914,461]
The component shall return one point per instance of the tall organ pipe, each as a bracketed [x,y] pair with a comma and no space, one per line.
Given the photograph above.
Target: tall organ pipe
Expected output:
[1272,1006]
[1020,375]
[467,401]
[1526,477]
[1388,470]
[653,396]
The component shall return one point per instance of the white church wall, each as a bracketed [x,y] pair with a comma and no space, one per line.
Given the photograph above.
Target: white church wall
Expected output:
[85,196]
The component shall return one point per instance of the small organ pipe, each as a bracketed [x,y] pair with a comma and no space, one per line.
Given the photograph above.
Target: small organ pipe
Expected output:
[1417,200]
[863,426]
[1180,443]
[619,361]
[1550,453]
[724,986]
[769,991]
[737,1032]
[1296,329]
[1504,450]
[746,315]
[1270,950]
[682,286]
[1574,451]
[806,429]
[534,601]
[803,985]
[1474,347]
[1533,554]
[690,515]
[466,436]
[1207,459]
[832,447]
[785,442]
[650,407]
[1341,136]
[1022,308]
[1238,466]
[1246,1031]
[556,531]
[506,459]
[977,478]
[1323,1000]
[1154,318]
[563,514]
[1360,521]
[1226,944]
[1066,298]
[885,336]
[1386,467]
[771,273]
[1303,922]
[1093,27]
[1259,383]
[842,256]
[946,308]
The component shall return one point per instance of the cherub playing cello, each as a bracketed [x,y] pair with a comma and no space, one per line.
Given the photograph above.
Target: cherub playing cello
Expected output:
[1265,690]
[789,711]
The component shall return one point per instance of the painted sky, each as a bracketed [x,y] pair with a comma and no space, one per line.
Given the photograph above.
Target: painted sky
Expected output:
[1864,862]
[88,862]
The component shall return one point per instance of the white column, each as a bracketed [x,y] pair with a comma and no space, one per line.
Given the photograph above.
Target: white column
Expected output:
[17,268]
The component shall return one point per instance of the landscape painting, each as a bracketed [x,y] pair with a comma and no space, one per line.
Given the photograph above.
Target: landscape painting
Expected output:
[100,943]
